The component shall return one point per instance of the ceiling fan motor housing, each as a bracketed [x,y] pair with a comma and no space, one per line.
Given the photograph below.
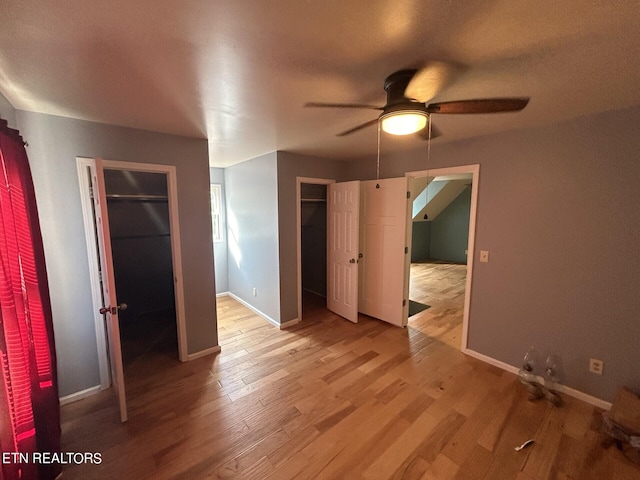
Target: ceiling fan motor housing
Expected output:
[395,85]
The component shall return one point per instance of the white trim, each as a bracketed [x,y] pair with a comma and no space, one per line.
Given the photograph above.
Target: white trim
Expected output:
[299,182]
[176,251]
[289,323]
[490,360]
[474,169]
[572,392]
[217,188]
[172,191]
[255,310]
[596,402]
[74,397]
[222,294]
[204,353]
[83,164]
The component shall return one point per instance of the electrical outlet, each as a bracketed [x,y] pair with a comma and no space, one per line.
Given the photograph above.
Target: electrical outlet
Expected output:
[255,292]
[484,256]
[596,366]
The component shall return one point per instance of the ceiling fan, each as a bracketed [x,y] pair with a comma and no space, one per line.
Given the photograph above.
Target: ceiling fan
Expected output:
[406,110]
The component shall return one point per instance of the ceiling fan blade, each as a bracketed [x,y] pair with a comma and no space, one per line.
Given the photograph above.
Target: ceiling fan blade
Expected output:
[485,105]
[424,133]
[359,127]
[428,81]
[341,105]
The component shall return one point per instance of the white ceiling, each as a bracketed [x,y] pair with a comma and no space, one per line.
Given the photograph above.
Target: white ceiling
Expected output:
[238,72]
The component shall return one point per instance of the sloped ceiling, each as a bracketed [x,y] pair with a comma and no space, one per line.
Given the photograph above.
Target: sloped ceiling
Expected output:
[238,72]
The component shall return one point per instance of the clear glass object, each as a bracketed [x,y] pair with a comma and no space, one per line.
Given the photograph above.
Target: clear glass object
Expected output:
[529,364]
[552,380]
[527,373]
[551,373]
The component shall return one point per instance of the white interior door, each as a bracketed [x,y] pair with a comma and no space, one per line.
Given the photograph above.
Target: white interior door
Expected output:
[383,213]
[342,249]
[111,307]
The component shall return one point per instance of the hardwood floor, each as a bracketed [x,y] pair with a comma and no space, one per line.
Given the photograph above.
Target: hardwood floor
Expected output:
[331,399]
[442,287]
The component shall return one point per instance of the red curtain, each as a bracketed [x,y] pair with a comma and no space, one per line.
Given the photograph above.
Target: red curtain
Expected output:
[29,407]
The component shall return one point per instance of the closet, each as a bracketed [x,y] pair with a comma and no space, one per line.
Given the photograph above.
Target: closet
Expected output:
[141,244]
[313,222]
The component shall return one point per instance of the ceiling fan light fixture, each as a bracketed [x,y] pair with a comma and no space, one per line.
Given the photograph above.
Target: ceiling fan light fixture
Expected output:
[403,122]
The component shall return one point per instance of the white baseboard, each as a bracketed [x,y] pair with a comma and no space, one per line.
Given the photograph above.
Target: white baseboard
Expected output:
[490,360]
[204,353]
[74,397]
[572,392]
[222,294]
[289,323]
[255,310]
[596,402]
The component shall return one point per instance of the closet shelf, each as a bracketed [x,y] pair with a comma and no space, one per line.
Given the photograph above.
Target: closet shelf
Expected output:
[137,198]
[137,237]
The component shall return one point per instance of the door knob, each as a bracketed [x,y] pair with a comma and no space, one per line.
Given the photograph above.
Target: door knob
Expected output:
[353,260]
[113,310]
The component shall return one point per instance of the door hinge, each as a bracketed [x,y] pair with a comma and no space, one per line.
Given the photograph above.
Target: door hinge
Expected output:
[408,194]
[406,250]
[404,302]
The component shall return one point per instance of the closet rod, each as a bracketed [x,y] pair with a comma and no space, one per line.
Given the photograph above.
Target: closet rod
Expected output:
[138,197]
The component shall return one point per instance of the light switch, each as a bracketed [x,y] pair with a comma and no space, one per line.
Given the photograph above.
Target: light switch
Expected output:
[484,256]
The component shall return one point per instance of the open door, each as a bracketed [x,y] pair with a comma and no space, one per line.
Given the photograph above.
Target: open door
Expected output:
[342,248]
[383,288]
[110,308]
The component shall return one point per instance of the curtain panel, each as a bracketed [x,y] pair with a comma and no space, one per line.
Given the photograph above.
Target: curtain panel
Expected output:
[29,406]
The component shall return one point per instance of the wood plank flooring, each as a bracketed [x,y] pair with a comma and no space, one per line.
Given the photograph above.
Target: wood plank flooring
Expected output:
[336,400]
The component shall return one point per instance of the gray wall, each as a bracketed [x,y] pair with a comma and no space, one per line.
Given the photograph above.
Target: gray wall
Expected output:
[556,210]
[216,175]
[290,166]
[7,112]
[420,241]
[54,143]
[252,233]
[450,230]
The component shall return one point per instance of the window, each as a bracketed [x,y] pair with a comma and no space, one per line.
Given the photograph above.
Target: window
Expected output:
[216,211]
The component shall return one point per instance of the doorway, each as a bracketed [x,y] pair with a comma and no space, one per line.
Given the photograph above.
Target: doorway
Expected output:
[311,219]
[140,234]
[440,273]
[149,193]
[313,246]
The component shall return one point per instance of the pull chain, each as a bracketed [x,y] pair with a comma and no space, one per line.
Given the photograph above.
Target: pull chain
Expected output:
[429,145]
[426,217]
[378,159]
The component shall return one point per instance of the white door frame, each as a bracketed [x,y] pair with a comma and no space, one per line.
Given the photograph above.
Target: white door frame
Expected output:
[176,253]
[299,182]
[474,169]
